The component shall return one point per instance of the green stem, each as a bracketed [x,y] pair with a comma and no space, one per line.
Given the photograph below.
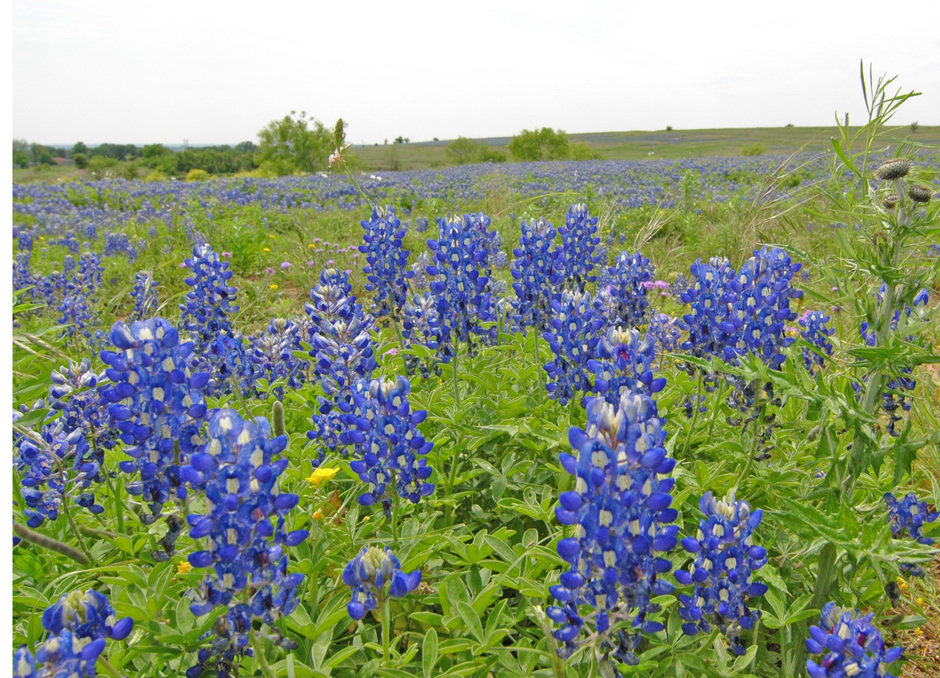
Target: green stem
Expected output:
[357,185]
[115,501]
[720,394]
[825,578]
[395,500]
[695,409]
[75,530]
[259,657]
[387,631]
[107,665]
[538,362]
[454,373]
[42,540]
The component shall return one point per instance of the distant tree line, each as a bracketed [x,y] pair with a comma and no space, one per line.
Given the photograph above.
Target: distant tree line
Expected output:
[527,146]
[220,159]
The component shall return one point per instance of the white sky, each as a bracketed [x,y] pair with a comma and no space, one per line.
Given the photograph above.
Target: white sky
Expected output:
[141,71]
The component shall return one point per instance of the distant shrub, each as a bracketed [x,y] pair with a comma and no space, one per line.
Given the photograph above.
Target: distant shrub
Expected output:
[753,149]
[580,150]
[196,174]
[543,144]
[668,128]
[21,160]
[80,160]
[128,170]
[99,163]
[463,151]
[155,175]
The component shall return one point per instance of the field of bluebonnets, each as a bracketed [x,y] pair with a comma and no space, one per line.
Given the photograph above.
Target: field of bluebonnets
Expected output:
[558,419]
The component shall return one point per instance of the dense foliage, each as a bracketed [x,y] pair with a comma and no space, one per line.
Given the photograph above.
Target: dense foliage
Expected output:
[410,427]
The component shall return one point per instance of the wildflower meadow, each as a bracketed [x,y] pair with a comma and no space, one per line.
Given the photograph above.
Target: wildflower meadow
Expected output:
[567,419]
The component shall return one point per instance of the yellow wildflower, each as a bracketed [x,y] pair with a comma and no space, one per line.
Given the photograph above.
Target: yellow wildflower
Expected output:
[266,249]
[271,235]
[318,515]
[321,474]
[183,567]
[902,583]
[273,286]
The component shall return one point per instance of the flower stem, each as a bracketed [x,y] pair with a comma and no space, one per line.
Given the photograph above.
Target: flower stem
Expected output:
[32,537]
[695,409]
[386,630]
[259,656]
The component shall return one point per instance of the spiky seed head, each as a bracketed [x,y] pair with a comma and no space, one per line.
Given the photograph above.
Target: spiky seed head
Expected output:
[894,169]
[920,193]
[890,201]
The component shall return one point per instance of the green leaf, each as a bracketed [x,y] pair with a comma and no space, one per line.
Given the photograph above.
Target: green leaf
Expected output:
[471,619]
[429,653]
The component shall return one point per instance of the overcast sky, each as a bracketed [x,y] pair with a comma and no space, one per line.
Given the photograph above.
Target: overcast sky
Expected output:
[208,71]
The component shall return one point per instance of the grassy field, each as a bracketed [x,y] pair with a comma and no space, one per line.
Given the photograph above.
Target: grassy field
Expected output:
[644,144]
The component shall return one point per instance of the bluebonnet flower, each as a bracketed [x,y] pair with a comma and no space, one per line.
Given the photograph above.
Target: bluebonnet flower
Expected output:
[908,517]
[238,473]
[386,261]
[46,464]
[22,275]
[575,259]
[369,572]
[725,559]
[532,272]
[79,626]
[896,396]
[245,524]
[60,655]
[664,330]
[766,288]
[205,314]
[621,509]
[87,615]
[144,295]
[816,332]
[419,281]
[157,404]
[624,284]
[342,346]
[388,446]
[460,287]
[273,357]
[422,326]
[75,393]
[624,362]
[119,244]
[851,646]
[78,295]
[712,323]
[737,313]
[575,325]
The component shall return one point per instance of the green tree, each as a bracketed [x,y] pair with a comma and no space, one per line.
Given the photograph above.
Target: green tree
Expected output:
[543,144]
[295,143]
[80,160]
[21,159]
[79,147]
[462,151]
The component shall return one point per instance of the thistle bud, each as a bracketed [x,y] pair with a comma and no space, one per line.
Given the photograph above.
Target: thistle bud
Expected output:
[890,201]
[893,169]
[920,193]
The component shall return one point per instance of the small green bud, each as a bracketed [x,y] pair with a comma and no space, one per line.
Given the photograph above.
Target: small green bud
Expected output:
[893,169]
[277,417]
[920,193]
